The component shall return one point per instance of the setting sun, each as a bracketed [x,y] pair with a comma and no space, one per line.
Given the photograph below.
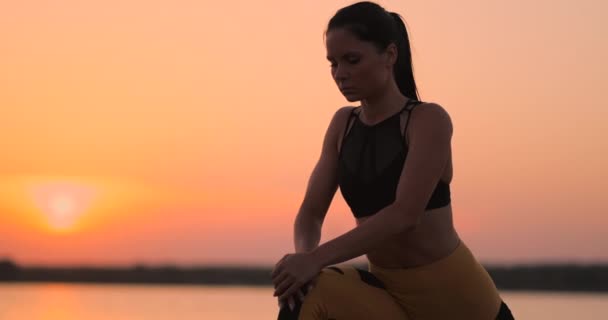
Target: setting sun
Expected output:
[62,203]
[137,131]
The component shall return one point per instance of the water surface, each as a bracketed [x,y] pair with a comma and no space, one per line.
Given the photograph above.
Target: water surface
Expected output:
[58,301]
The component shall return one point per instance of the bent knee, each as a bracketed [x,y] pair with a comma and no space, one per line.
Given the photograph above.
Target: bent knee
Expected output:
[327,278]
[331,277]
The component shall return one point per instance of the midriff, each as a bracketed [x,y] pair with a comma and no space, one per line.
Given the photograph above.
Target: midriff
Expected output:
[432,239]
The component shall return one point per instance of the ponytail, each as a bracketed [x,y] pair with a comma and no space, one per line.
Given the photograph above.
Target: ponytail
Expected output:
[403,68]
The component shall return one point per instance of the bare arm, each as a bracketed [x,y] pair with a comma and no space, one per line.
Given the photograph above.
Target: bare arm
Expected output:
[428,154]
[321,188]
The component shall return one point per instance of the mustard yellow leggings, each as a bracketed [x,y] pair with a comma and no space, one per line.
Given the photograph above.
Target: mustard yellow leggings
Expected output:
[455,287]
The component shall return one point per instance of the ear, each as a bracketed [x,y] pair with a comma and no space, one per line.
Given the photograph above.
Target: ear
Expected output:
[391,54]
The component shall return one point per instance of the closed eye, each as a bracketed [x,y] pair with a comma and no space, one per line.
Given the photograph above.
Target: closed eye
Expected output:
[350,58]
[353,61]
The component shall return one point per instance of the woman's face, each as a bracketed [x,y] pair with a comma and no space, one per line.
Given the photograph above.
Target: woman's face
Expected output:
[359,69]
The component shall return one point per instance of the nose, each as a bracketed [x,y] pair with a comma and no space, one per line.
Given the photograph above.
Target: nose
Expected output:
[340,73]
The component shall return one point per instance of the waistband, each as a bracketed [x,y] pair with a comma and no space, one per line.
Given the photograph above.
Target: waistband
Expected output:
[458,266]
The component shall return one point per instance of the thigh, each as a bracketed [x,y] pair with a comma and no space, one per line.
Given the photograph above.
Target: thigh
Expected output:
[346,293]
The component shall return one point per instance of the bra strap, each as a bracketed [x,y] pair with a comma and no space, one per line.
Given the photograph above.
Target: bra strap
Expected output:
[349,121]
[414,103]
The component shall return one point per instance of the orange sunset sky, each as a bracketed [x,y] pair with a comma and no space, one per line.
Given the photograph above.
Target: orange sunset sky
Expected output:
[185,131]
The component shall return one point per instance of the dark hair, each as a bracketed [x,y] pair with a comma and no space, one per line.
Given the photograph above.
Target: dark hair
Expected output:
[370,22]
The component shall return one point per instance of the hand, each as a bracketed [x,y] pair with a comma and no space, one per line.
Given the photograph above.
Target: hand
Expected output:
[292,272]
[300,295]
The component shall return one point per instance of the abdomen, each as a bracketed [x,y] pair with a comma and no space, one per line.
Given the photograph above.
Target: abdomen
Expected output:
[433,239]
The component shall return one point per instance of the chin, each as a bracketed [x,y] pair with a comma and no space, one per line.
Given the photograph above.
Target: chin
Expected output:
[352,97]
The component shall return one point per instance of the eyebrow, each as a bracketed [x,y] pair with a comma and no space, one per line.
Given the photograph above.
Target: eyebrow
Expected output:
[350,53]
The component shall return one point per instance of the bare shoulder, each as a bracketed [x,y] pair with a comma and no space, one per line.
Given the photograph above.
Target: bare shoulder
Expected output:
[432,115]
[337,126]
[340,118]
[343,112]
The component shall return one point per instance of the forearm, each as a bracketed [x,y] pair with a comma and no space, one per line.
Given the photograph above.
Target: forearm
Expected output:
[362,239]
[307,231]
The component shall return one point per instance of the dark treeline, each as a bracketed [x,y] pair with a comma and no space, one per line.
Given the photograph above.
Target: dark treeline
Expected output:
[552,277]
[592,278]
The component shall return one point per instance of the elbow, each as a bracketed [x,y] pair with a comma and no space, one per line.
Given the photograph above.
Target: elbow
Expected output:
[406,219]
[410,224]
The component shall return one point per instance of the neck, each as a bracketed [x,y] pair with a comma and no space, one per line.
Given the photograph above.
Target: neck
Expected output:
[381,106]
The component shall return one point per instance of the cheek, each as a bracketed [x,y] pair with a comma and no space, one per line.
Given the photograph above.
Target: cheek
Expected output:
[370,76]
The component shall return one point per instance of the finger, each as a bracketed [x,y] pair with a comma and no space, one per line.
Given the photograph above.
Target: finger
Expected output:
[278,267]
[281,260]
[290,290]
[280,278]
[292,303]
[309,287]
[301,295]
[278,275]
[276,271]
[282,286]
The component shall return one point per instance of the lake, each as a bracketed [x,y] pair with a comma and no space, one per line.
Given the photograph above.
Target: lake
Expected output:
[59,301]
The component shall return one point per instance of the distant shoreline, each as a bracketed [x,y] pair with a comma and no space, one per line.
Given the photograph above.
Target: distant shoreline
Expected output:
[579,278]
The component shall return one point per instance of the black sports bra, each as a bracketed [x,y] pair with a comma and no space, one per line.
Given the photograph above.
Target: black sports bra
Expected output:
[370,163]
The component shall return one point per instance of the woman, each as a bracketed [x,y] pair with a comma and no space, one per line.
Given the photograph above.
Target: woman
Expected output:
[391,158]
